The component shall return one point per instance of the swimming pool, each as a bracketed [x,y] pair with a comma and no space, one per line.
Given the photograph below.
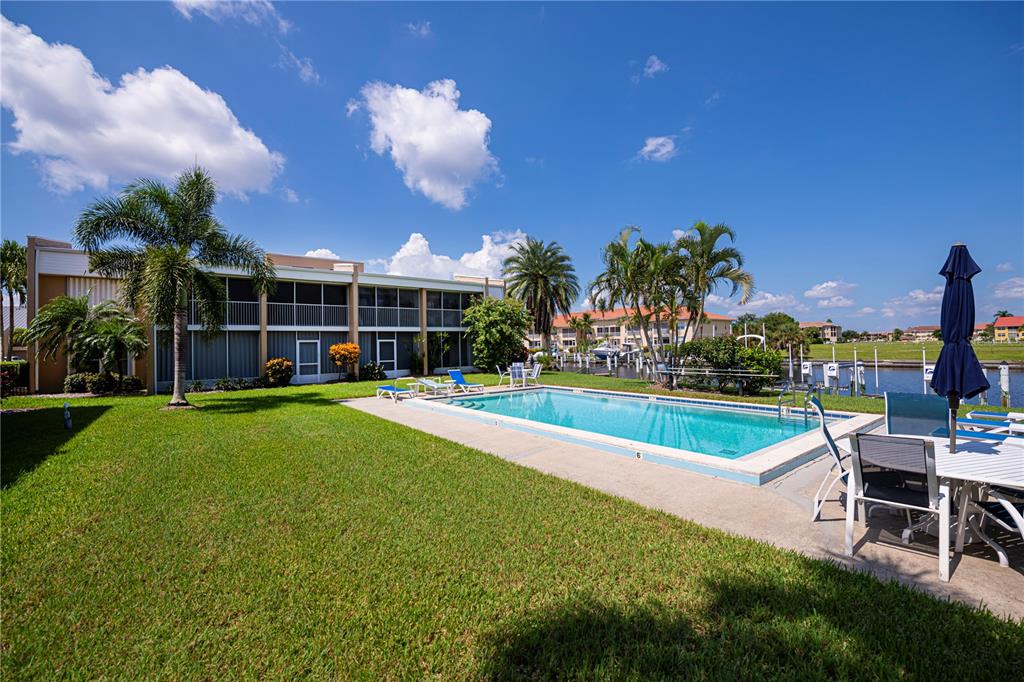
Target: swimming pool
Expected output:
[716,431]
[742,442]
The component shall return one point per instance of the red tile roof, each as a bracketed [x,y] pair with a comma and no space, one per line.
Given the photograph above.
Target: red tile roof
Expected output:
[1011,321]
[616,314]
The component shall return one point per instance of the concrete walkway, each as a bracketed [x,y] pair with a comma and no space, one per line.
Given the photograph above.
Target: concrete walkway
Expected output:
[777,513]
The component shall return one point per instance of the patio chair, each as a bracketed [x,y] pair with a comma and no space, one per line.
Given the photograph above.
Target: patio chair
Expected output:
[915,414]
[460,381]
[503,375]
[999,505]
[517,374]
[532,375]
[394,392]
[435,387]
[897,453]
[838,472]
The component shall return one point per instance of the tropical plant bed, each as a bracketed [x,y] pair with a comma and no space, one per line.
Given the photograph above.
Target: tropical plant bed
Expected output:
[276,533]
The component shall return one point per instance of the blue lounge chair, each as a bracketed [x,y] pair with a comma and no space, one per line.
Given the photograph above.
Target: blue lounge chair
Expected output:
[394,392]
[460,381]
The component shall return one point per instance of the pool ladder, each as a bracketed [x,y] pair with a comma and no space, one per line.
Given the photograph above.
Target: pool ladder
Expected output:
[785,405]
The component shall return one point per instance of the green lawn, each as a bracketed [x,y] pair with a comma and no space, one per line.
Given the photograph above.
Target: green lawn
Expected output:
[280,534]
[988,352]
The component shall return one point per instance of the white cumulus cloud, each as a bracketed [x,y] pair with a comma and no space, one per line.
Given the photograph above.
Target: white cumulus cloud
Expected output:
[1010,289]
[86,131]
[866,310]
[835,302]
[915,303]
[255,12]
[322,253]
[415,258]
[762,302]
[303,66]
[660,148]
[1004,267]
[829,289]
[441,150]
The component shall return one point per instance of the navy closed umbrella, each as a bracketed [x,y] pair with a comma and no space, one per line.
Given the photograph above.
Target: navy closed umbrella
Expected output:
[958,374]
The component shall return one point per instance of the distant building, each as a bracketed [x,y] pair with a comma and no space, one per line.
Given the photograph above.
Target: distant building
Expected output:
[830,332]
[1009,329]
[876,336]
[20,321]
[612,326]
[923,332]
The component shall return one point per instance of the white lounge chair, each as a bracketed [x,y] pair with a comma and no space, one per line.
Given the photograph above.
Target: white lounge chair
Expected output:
[394,392]
[435,387]
[533,374]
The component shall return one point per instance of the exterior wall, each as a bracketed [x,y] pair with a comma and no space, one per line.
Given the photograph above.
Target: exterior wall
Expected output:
[51,373]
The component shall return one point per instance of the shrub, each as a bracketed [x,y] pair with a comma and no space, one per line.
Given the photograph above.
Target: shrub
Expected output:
[78,382]
[278,371]
[344,355]
[101,383]
[497,328]
[372,371]
[13,377]
[761,362]
[196,387]
[224,384]
[546,361]
[132,384]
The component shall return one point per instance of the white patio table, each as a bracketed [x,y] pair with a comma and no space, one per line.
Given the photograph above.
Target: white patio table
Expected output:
[974,462]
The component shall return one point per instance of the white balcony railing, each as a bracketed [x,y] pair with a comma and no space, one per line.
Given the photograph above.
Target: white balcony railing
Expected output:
[240,313]
[306,315]
[370,316]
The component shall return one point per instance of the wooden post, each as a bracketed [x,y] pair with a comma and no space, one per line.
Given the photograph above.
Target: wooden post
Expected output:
[264,343]
[353,315]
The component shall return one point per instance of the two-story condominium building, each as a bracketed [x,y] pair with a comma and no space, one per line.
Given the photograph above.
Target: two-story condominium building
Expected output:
[1009,329]
[317,302]
[613,327]
[830,332]
[921,332]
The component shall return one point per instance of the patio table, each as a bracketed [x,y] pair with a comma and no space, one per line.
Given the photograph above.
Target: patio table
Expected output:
[975,462]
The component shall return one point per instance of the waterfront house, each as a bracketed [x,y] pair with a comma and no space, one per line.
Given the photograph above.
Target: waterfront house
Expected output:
[922,332]
[317,302]
[830,332]
[1009,329]
[613,327]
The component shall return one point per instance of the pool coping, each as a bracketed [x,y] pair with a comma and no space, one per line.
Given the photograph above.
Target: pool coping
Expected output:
[756,468]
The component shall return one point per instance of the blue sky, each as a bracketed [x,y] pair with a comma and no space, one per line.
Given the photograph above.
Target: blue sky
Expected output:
[847,145]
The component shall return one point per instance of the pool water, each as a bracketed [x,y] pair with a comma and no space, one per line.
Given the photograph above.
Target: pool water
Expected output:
[721,432]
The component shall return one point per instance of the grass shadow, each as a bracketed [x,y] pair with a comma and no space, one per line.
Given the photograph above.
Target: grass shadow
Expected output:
[255,401]
[29,438]
[828,623]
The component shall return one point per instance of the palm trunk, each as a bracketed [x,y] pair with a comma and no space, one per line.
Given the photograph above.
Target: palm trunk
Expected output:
[180,329]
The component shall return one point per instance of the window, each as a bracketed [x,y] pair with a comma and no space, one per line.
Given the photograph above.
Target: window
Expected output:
[408,298]
[387,298]
[284,293]
[241,290]
[335,294]
[308,293]
[433,300]
[450,300]
[367,296]
[467,300]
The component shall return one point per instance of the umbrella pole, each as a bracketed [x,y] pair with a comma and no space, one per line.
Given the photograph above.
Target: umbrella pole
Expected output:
[954,406]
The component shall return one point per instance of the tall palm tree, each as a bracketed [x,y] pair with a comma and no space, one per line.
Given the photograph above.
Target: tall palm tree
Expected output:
[710,266]
[14,281]
[163,242]
[63,325]
[114,340]
[543,278]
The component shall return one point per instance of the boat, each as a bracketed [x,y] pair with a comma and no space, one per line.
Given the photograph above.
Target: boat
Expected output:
[605,351]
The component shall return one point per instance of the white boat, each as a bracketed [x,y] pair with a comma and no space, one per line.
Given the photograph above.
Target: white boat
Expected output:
[605,351]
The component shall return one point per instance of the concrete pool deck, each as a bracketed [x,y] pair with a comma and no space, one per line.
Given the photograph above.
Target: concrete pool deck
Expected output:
[777,513]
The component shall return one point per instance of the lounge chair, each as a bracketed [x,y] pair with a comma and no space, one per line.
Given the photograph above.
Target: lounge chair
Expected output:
[993,413]
[899,453]
[532,375]
[394,392]
[435,387]
[1000,505]
[838,472]
[460,381]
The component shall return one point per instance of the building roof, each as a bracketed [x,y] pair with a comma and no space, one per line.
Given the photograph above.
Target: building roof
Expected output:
[923,328]
[1011,321]
[616,314]
[815,325]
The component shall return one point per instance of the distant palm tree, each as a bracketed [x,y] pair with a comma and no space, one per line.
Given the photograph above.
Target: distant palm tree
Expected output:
[709,266]
[543,278]
[13,280]
[582,324]
[1002,313]
[173,240]
[62,326]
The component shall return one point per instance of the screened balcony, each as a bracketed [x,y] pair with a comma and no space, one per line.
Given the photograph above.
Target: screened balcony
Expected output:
[302,304]
[242,307]
[444,308]
[389,307]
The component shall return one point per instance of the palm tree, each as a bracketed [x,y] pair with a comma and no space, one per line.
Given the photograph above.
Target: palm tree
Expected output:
[115,339]
[63,325]
[543,278]
[709,266]
[582,324]
[1001,313]
[13,280]
[163,242]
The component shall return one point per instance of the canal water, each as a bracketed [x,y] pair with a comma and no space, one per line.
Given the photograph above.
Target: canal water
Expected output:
[894,379]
